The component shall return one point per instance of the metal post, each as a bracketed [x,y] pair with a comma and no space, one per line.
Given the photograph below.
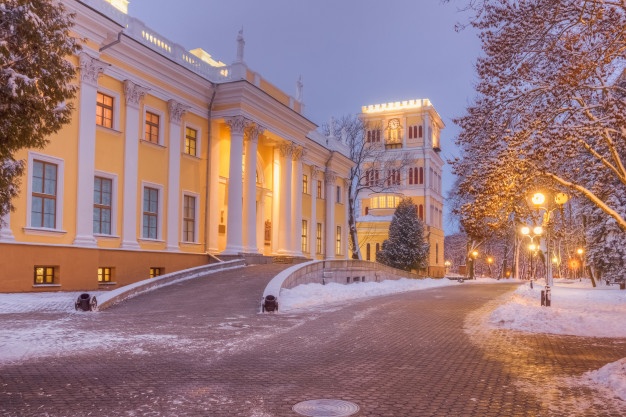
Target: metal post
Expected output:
[549,279]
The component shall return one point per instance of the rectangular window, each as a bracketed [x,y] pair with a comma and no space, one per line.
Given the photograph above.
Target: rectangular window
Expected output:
[189,219]
[191,138]
[152,127]
[104,274]
[338,244]
[305,236]
[318,239]
[104,110]
[44,195]
[102,199]
[338,194]
[305,184]
[44,275]
[319,188]
[150,213]
[156,271]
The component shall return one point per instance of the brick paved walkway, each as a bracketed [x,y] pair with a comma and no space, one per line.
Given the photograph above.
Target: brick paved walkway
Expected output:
[201,348]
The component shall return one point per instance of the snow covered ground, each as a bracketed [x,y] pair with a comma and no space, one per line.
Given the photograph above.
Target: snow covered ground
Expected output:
[577,309]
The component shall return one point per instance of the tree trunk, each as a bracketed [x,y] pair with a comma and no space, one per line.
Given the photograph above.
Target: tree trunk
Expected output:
[354,239]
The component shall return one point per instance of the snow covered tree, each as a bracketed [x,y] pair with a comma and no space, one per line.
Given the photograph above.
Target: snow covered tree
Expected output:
[35,82]
[406,247]
[371,159]
[550,110]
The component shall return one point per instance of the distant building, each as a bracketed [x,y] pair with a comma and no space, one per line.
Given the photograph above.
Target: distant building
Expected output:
[172,157]
[412,129]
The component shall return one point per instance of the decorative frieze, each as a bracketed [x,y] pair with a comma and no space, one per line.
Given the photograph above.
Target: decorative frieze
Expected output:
[314,171]
[134,93]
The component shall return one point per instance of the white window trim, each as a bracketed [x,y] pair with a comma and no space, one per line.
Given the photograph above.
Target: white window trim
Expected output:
[116,108]
[160,188]
[60,163]
[114,181]
[198,139]
[162,119]
[196,220]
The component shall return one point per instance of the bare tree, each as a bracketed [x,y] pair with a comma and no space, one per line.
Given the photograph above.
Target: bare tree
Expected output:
[376,169]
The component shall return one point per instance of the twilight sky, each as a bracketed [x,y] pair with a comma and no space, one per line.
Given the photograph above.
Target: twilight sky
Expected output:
[349,53]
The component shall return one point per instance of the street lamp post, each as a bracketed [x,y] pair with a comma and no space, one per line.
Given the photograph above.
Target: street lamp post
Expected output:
[472,259]
[580,251]
[539,201]
[536,231]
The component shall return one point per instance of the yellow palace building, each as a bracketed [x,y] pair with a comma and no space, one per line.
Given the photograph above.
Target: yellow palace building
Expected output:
[408,131]
[172,158]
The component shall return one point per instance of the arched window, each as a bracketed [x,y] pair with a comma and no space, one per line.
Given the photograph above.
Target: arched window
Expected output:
[421,178]
[437,253]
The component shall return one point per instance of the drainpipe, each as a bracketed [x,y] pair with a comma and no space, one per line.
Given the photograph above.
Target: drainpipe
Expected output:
[208,172]
[119,39]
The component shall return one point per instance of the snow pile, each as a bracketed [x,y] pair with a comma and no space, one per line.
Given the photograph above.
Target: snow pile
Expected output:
[311,295]
[611,376]
[574,311]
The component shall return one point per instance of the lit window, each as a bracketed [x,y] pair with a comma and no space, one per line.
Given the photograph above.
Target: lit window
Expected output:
[102,198]
[104,274]
[104,110]
[44,275]
[189,219]
[305,236]
[191,138]
[150,213]
[319,188]
[318,239]
[338,246]
[156,271]
[44,195]
[305,184]
[338,194]
[152,127]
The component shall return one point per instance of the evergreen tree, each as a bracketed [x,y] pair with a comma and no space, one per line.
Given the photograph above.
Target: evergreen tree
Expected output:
[406,247]
[35,78]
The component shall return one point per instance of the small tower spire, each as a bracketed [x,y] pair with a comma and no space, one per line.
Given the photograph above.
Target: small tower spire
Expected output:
[240,45]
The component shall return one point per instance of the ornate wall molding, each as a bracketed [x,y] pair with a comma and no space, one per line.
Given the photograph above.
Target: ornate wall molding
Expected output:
[315,170]
[298,153]
[176,110]
[90,69]
[237,124]
[134,93]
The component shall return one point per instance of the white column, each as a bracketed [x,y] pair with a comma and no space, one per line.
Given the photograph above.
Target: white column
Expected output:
[212,217]
[176,112]
[276,197]
[296,200]
[249,192]
[313,226]
[260,222]
[134,94]
[284,205]
[234,231]
[90,70]
[345,230]
[330,178]
[6,235]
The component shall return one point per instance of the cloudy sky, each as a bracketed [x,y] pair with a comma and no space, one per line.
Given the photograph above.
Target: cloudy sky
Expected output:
[349,53]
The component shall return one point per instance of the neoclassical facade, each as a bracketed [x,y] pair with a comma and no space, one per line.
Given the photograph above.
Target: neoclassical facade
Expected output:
[171,159]
[407,131]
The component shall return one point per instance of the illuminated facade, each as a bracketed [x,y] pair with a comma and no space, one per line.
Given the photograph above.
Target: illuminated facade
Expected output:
[408,131]
[172,157]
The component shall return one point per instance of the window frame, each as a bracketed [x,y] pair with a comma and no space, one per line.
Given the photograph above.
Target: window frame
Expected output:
[161,127]
[47,268]
[338,245]
[198,140]
[101,119]
[60,191]
[114,189]
[159,213]
[116,108]
[102,274]
[319,191]
[185,220]
[319,248]
[305,184]
[305,236]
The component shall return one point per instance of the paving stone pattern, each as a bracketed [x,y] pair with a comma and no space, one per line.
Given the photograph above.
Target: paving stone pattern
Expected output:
[424,353]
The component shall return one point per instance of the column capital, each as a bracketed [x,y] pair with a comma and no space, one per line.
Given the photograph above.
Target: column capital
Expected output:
[253,131]
[237,124]
[315,170]
[330,177]
[176,111]
[134,93]
[298,153]
[90,69]
[346,182]
[286,149]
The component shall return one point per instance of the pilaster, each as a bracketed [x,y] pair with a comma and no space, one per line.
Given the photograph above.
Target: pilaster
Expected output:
[176,112]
